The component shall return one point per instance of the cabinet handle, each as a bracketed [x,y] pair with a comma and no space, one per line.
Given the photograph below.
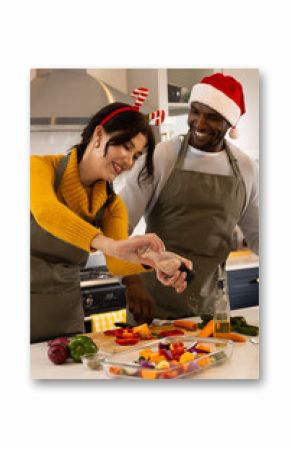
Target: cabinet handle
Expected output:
[255,281]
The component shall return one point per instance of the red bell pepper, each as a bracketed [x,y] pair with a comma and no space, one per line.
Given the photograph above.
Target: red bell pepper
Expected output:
[127,341]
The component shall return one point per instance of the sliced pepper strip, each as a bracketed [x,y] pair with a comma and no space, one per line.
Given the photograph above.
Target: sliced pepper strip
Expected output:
[127,341]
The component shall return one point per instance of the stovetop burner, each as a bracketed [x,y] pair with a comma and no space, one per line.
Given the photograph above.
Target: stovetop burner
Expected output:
[100,272]
[97,275]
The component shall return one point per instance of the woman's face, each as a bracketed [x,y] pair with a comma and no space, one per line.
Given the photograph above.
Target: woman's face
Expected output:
[119,158]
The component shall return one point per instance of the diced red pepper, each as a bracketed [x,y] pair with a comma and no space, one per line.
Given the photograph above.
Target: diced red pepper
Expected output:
[170,333]
[127,341]
[110,332]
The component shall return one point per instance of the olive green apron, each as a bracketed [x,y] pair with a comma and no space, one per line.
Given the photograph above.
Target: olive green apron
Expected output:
[56,307]
[195,215]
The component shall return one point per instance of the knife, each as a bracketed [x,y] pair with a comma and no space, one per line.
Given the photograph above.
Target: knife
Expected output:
[123,325]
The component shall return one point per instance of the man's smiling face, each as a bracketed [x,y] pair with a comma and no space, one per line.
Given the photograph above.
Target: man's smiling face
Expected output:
[207,127]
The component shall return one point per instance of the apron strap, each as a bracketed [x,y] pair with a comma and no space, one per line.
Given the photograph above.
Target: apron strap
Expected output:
[236,169]
[99,215]
[182,152]
[60,171]
[233,161]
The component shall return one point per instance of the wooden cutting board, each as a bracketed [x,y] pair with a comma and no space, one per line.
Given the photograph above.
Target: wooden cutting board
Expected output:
[107,343]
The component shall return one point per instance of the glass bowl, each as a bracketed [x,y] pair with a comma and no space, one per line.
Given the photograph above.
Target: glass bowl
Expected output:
[93,361]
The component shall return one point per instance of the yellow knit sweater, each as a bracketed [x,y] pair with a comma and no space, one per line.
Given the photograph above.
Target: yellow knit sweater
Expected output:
[69,215]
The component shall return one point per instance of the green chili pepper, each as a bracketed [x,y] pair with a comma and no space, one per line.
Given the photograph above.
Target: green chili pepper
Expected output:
[81,345]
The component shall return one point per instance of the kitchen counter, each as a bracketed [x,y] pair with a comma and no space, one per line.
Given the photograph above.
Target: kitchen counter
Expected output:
[243,364]
[239,260]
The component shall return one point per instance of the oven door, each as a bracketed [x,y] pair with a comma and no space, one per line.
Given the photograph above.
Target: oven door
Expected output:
[103,298]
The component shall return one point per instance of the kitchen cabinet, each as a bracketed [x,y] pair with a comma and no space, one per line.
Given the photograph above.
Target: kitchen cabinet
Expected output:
[179,84]
[243,288]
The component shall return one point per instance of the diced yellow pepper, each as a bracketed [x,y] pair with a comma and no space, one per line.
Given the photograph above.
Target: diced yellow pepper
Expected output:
[204,362]
[186,357]
[203,347]
[162,365]
[143,330]
[146,353]
[156,358]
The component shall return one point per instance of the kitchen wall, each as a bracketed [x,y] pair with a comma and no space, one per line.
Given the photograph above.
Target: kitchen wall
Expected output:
[115,77]
[248,126]
[53,142]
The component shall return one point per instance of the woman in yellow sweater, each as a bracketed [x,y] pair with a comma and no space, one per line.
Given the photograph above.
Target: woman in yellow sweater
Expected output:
[74,211]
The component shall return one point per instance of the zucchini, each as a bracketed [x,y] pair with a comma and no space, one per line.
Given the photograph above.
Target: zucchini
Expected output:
[253,331]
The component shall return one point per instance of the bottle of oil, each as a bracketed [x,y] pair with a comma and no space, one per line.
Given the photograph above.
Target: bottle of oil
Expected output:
[222,318]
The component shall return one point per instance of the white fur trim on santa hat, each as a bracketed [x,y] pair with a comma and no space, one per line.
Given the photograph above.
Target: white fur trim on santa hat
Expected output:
[217,100]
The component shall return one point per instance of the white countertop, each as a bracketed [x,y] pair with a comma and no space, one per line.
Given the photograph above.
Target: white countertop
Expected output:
[241,260]
[243,364]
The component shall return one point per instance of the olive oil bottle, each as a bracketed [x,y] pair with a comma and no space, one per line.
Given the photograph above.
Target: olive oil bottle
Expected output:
[222,317]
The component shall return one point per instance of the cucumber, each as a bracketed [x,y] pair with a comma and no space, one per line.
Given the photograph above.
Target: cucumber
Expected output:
[206,317]
[238,321]
[253,331]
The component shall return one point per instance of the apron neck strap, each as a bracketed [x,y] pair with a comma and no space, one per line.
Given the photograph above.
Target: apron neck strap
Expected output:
[233,161]
[60,171]
[182,151]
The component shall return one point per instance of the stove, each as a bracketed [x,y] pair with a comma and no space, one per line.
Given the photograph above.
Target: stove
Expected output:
[90,277]
[101,291]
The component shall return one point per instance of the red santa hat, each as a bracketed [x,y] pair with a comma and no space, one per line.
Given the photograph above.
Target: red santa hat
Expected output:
[224,94]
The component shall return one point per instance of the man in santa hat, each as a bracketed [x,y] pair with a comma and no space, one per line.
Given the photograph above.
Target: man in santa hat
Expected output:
[203,187]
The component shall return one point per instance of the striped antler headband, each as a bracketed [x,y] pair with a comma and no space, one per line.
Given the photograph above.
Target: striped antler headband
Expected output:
[141,93]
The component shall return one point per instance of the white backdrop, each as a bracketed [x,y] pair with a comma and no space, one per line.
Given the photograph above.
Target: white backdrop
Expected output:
[110,414]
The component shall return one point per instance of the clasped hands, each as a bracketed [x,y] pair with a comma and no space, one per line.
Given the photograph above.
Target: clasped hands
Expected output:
[150,250]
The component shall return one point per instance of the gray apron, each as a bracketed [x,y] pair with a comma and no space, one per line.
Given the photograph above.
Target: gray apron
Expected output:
[195,215]
[56,307]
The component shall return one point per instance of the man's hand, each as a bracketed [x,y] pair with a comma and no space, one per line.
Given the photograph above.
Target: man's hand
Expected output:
[138,299]
[177,281]
[167,265]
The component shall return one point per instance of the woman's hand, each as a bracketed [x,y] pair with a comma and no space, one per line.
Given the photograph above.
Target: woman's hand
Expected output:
[130,249]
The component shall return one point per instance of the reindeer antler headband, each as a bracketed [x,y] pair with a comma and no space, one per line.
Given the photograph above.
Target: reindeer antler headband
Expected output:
[141,93]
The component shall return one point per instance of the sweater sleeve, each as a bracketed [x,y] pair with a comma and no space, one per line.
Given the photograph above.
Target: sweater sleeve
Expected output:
[50,213]
[115,226]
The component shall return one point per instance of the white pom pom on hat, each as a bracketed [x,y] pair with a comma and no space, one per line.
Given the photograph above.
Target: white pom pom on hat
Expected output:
[224,94]
[233,133]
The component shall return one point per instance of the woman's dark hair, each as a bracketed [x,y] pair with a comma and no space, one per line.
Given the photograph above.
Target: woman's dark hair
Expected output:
[127,125]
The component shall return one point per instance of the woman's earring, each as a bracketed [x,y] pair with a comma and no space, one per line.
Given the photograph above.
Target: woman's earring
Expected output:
[97,144]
